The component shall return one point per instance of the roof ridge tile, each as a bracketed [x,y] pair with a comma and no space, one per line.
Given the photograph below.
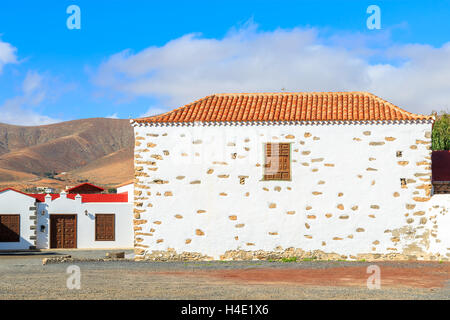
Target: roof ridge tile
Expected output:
[286,106]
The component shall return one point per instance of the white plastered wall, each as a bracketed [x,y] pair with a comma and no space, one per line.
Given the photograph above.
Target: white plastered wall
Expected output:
[129,188]
[12,202]
[86,222]
[345,195]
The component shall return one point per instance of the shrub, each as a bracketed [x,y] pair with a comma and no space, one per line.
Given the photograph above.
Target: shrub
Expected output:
[112,190]
[441,132]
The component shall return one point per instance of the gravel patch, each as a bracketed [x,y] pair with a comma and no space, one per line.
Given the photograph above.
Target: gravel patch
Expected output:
[24,277]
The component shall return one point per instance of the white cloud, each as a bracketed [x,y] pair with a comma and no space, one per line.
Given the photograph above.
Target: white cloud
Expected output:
[19,109]
[415,77]
[113,116]
[153,111]
[7,54]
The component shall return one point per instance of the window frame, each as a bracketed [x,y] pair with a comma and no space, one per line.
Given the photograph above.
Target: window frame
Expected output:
[19,226]
[264,148]
[96,236]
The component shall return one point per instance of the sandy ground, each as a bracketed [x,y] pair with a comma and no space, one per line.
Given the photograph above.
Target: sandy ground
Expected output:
[22,276]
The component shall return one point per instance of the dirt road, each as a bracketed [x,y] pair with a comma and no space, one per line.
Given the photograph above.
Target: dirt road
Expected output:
[24,277]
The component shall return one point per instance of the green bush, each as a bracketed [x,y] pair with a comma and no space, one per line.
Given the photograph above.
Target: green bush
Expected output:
[112,190]
[291,259]
[441,132]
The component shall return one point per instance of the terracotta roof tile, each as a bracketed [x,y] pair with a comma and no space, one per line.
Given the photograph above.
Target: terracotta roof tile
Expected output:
[296,106]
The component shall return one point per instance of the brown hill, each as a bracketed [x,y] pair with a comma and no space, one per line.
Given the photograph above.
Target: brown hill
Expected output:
[112,169]
[98,150]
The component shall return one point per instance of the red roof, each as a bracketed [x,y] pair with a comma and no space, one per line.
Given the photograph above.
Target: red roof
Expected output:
[299,106]
[440,164]
[12,189]
[85,198]
[84,185]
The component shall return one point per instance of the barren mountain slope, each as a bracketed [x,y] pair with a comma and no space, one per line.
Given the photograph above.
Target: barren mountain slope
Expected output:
[27,153]
[112,169]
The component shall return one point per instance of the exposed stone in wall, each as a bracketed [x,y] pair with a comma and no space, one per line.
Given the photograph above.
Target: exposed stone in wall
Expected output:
[245,255]
[171,255]
[237,181]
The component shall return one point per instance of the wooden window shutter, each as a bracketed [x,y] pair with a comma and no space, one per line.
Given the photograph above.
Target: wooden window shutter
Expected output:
[105,227]
[277,164]
[10,228]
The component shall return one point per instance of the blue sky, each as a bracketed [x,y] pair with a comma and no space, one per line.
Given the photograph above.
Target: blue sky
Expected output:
[136,58]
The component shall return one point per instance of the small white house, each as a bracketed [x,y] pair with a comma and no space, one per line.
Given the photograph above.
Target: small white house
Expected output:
[48,221]
[17,220]
[255,176]
[45,190]
[127,187]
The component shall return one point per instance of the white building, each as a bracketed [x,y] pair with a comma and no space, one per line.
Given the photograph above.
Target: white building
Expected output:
[255,176]
[127,187]
[45,190]
[63,220]
[17,220]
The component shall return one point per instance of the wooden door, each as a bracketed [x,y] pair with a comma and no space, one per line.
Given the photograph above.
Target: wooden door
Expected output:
[63,231]
[9,228]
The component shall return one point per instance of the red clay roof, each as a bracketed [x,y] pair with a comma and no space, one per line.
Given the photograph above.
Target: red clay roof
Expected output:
[440,165]
[301,106]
